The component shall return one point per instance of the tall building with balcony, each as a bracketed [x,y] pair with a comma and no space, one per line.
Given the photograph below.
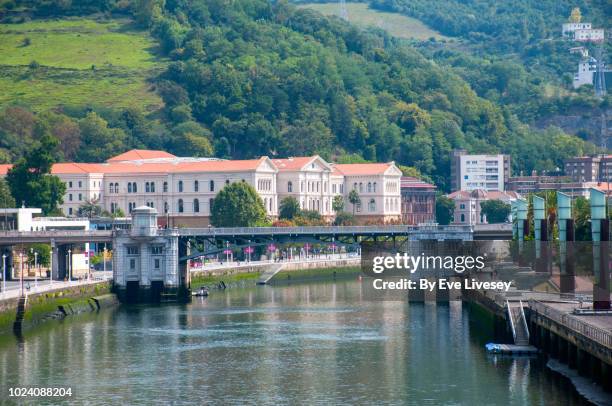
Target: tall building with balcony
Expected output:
[483,172]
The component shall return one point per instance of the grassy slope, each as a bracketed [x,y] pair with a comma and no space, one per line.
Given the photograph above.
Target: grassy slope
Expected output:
[66,50]
[395,24]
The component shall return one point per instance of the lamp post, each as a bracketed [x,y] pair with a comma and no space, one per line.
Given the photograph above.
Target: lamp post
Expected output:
[21,274]
[104,260]
[3,273]
[69,265]
[35,269]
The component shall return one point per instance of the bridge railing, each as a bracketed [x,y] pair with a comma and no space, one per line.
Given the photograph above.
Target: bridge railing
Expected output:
[56,233]
[390,229]
[595,333]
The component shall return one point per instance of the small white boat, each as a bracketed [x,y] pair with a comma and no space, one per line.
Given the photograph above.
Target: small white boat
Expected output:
[202,292]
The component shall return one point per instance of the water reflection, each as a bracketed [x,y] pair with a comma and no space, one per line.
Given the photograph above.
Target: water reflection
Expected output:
[315,343]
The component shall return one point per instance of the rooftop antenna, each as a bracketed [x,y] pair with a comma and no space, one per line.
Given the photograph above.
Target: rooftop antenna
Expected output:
[343,11]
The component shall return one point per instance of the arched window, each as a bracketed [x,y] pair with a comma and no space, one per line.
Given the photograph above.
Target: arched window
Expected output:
[355,186]
[166,208]
[129,187]
[463,218]
[165,187]
[116,187]
[360,187]
[110,188]
[180,186]
[227,181]
[369,187]
[147,187]
[289,186]
[196,205]
[372,205]
[374,187]
[134,187]
[152,187]
[212,185]
[180,205]
[211,202]
[196,186]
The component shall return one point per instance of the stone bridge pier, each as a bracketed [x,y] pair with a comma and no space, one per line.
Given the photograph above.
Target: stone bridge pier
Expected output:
[7,251]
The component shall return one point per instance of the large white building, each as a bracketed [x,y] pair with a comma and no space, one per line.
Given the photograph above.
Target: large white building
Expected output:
[586,71]
[183,189]
[485,172]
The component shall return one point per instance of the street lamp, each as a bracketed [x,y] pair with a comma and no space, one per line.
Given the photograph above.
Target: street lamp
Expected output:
[69,265]
[21,273]
[35,269]
[3,273]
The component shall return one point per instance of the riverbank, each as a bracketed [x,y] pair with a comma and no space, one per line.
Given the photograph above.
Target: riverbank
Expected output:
[56,304]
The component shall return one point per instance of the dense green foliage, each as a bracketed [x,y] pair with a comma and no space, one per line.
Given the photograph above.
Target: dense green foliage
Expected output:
[251,78]
[445,207]
[30,180]
[238,205]
[289,208]
[6,198]
[495,210]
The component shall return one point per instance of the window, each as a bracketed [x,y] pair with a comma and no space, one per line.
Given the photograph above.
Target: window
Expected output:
[374,187]
[369,187]
[165,187]
[69,184]
[134,188]
[210,204]
[152,187]
[70,210]
[196,206]
[157,249]
[131,206]
[129,187]
[289,186]
[360,187]
[227,181]
[80,197]
[462,206]
[113,207]
[196,186]
[463,218]
[358,207]
[211,185]
[180,186]
[70,197]
[166,208]
[334,188]
[110,188]
[116,187]
[355,186]
[156,263]
[80,184]
[180,205]
[372,205]
[147,187]
[132,263]
[132,250]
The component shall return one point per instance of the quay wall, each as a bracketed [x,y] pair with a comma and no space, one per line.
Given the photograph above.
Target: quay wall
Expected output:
[56,304]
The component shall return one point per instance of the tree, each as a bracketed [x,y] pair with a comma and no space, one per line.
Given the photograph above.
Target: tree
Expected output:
[30,180]
[575,16]
[338,204]
[238,205]
[289,208]
[100,142]
[43,257]
[6,198]
[495,210]
[445,208]
[90,209]
[344,219]
[354,199]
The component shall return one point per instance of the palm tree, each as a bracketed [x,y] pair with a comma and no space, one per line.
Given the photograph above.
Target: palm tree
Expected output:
[354,199]
[90,209]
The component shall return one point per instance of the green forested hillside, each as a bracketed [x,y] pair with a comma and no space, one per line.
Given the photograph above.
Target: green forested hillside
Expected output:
[250,77]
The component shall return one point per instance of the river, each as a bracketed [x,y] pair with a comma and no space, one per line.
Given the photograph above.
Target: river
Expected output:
[323,342]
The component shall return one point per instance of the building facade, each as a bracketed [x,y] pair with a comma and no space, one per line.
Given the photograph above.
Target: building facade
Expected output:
[418,201]
[182,190]
[467,204]
[485,172]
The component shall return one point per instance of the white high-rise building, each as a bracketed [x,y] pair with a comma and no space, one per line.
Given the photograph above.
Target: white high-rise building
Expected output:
[484,172]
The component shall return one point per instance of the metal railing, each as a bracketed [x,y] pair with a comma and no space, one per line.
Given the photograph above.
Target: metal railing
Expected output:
[321,230]
[511,318]
[524,320]
[597,334]
[57,233]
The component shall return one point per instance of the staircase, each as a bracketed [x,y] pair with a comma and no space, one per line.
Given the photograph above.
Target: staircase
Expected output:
[21,306]
[518,323]
[268,274]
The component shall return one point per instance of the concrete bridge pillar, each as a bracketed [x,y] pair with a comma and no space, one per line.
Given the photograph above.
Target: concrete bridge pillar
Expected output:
[572,355]
[8,262]
[59,261]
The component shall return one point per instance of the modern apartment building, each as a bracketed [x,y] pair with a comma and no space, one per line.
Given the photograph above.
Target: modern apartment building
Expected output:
[182,189]
[484,172]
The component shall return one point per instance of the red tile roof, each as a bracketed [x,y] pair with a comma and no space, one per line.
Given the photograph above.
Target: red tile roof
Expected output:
[484,195]
[4,168]
[293,163]
[412,182]
[136,154]
[362,169]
